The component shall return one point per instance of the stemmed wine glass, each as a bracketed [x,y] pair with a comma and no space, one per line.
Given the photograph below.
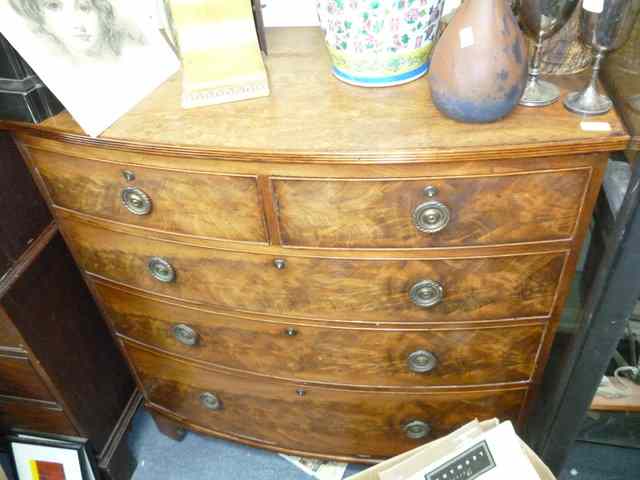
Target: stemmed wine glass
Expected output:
[603,31]
[541,19]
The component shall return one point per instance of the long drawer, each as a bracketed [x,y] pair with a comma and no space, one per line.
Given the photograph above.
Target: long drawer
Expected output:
[331,421]
[380,290]
[44,417]
[19,379]
[215,206]
[430,212]
[337,355]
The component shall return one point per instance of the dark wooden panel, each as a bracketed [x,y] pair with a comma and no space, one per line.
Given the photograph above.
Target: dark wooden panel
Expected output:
[9,336]
[23,213]
[19,379]
[379,214]
[330,288]
[116,461]
[35,417]
[313,419]
[55,314]
[215,206]
[350,356]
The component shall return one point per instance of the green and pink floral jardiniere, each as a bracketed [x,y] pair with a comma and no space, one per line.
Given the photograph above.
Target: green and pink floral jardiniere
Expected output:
[376,43]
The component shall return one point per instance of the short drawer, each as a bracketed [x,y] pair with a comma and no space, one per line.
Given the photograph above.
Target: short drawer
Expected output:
[19,379]
[42,417]
[430,212]
[205,205]
[380,290]
[336,355]
[330,421]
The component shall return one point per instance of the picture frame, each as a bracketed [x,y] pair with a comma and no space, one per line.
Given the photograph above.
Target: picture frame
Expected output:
[36,456]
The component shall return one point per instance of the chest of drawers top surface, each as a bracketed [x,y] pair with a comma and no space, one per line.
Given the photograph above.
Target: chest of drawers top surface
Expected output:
[311,115]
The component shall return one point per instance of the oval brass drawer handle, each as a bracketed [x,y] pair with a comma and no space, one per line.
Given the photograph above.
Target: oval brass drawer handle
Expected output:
[426,293]
[422,361]
[136,201]
[185,334]
[431,216]
[161,270]
[210,401]
[417,429]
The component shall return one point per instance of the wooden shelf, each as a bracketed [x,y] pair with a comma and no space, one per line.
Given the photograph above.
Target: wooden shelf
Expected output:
[629,403]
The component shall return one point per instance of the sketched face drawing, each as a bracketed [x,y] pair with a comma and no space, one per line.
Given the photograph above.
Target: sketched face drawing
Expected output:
[83,29]
[74,23]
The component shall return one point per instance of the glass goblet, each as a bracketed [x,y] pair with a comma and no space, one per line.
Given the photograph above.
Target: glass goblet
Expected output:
[603,31]
[541,19]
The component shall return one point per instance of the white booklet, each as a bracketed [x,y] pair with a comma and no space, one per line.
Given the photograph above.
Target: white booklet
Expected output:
[487,450]
[492,455]
[99,58]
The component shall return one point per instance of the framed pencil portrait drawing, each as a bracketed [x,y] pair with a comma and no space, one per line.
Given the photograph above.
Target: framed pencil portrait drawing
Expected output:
[99,57]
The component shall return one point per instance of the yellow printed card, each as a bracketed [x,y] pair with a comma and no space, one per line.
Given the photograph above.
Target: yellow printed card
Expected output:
[221,58]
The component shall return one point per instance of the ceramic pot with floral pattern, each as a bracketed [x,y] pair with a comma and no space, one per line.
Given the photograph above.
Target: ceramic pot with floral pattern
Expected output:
[377,43]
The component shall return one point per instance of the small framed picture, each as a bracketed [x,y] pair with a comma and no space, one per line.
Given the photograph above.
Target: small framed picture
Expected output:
[51,457]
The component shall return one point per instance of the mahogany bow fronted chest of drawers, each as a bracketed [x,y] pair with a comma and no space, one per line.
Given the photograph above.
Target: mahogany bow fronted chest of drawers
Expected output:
[332,271]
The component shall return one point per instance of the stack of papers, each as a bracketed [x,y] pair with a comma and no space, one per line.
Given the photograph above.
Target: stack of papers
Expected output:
[487,450]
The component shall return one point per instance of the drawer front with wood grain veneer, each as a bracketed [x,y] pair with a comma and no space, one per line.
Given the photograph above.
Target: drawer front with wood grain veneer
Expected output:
[430,212]
[380,290]
[336,355]
[9,336]
[283,414]
[205,205]
[19,379]
[44,417]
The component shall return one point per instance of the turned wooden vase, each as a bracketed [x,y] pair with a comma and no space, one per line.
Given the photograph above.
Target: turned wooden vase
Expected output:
[479,66]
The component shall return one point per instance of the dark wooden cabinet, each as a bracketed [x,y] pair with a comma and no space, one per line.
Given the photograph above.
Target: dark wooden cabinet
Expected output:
[60,369]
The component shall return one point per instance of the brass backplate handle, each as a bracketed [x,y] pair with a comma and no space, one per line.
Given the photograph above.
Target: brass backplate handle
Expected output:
[185,334]
[136,201]
[422,361]
[210,401]
[161,270]
[431,216]
[426,293]
[417,429]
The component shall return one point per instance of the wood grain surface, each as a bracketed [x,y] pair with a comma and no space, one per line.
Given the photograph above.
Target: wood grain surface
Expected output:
[359,289]
[34,416]
[9,336]
[215,206]
[484,210]
[312,114]
[379,357]
[323,420]
[76,356]
[18,378]
[183,161]
[23,212]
